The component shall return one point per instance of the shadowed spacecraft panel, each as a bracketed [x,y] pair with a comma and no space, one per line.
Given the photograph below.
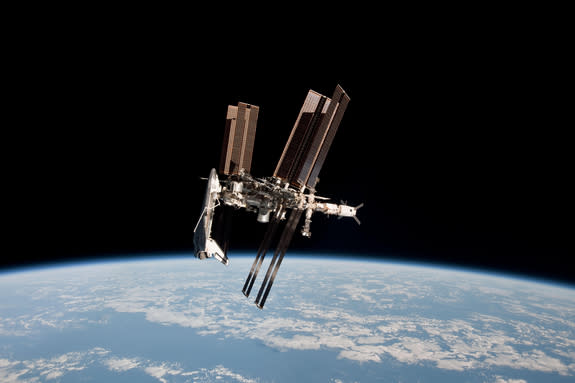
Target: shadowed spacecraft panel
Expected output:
[289,192]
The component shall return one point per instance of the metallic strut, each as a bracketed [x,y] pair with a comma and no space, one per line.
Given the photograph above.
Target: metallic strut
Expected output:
[264,246]
[278,256]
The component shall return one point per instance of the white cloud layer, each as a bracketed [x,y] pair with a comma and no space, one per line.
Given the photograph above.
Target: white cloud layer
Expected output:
[29,371]
[378,316]
[123,364]
[503,380]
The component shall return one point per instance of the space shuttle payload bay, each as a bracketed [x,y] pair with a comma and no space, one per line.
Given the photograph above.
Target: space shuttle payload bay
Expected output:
[205,246]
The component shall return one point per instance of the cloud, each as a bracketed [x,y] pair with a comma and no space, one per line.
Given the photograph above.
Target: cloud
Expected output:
[157,372]
[169,317]
[502,380]
[535,360]
[29,371]
[123,364]
[297,342]
[221,371]
[24,325]
[12,371]
[164,370]
[359,356]
[455,364]
[53,374]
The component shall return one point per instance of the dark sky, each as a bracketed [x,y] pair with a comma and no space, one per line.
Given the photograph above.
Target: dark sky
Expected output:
[458,154]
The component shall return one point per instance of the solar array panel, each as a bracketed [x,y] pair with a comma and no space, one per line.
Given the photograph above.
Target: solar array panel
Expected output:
[264,246]
[338,106]
[278,257]
[239,136]
[311,138]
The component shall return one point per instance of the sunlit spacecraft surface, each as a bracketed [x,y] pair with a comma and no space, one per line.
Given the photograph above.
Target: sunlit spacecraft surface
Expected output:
[284,197]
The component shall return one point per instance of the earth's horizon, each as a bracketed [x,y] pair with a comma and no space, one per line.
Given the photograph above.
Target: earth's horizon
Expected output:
[243,254]
[176,319]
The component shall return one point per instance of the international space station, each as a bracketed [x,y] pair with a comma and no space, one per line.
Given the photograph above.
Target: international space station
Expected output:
[291,189]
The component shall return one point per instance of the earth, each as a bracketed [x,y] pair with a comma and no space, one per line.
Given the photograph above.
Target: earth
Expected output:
[179,319]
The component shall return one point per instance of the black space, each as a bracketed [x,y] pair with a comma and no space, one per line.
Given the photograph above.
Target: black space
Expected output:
[456,149]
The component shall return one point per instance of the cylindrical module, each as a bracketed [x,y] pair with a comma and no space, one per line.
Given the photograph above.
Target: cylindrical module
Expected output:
[263,216]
